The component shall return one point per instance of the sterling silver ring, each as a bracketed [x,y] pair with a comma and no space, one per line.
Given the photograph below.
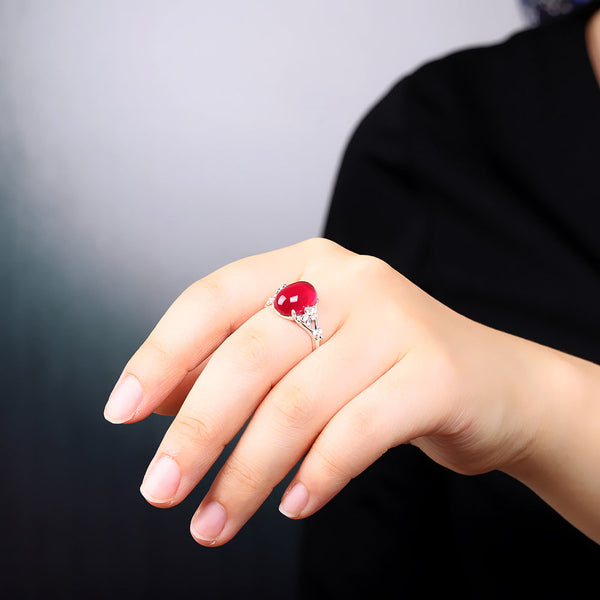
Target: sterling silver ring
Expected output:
[298,302]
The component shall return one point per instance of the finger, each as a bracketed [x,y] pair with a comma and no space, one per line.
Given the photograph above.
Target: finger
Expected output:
[198,322]
[171,405]
[237,378]
[405,403]
[286,423]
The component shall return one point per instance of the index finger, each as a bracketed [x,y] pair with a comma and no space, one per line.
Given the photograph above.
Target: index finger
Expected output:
[199,320]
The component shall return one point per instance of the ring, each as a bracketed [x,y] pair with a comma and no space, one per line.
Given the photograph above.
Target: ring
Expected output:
[298,302]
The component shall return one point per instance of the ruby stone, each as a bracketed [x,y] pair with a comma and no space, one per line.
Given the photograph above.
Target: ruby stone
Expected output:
[295,296]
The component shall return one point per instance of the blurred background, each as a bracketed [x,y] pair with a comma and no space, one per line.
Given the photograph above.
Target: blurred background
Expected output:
[142,145]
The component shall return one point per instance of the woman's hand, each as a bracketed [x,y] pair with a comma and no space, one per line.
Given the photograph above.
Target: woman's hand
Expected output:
[395,366]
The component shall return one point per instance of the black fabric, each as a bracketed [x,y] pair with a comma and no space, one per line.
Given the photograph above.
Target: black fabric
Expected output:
[477,178]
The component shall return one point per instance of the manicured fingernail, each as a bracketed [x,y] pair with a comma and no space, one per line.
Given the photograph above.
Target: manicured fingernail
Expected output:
[294,501]
[208,522]
[161,481]
[124,400]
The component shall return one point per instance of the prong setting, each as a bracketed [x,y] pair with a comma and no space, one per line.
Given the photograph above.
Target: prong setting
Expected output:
[307,319]
[271,300]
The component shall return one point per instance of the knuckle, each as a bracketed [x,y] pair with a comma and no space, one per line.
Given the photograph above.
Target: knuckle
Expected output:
[362,424]
[320,246]
[155,348]
[196,429]
[365,266]
[293,406]
[241,474]
[320,243]
[210,291]
[154,356]
[330,465]
[252,348]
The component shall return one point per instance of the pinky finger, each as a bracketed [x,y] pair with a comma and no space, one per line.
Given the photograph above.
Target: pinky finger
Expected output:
[395,409]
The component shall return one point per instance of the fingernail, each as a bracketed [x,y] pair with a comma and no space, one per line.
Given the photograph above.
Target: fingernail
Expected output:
[294,500]
[162,480]
[208,522]
[124,400]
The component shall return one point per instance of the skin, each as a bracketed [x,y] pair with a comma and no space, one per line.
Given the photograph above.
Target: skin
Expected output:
[395,366]
[592,39]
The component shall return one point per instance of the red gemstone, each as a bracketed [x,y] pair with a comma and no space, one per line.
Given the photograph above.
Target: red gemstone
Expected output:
[295,296]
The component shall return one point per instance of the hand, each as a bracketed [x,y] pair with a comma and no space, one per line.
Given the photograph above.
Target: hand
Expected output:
[395,366]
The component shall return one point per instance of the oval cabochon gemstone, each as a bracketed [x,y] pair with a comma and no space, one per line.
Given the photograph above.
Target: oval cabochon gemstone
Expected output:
[295,296]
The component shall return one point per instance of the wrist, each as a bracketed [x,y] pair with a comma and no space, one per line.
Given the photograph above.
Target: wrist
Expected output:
[562,453]
[552,393]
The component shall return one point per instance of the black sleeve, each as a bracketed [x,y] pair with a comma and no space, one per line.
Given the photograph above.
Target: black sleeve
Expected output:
[374,208]
[476,177]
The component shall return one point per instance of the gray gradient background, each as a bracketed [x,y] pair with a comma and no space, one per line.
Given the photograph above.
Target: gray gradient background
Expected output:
[142,145]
